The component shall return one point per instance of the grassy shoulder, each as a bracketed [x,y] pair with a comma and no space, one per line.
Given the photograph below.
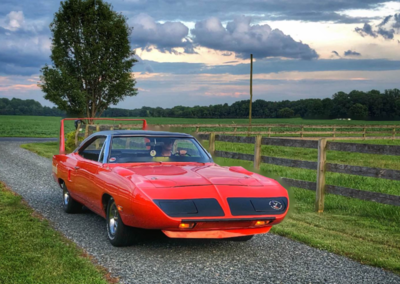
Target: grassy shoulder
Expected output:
[33,252]
[45,149]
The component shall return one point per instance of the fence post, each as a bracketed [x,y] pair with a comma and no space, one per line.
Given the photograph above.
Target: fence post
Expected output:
[211,143]
[364,134]
[97,140]
[197,129]
[394,133]
[302,129]
[87,130]
[269,132]
[234,129]
[334,131]
[76,134]
[320,190]
[257,152]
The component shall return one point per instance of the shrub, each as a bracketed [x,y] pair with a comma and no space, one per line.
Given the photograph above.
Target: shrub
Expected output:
[70,143]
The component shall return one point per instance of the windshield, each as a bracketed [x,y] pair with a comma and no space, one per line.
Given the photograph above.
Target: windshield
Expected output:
[131,149]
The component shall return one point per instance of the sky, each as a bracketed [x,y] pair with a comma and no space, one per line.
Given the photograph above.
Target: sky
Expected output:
[193,52]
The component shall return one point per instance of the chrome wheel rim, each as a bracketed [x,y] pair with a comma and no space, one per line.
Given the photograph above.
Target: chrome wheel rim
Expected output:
[66,197]
[113,219]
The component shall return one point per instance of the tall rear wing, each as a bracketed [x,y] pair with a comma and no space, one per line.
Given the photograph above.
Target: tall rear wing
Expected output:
[62,137]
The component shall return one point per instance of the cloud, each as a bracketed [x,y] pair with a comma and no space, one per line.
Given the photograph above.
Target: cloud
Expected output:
[19,87]
[387,34]
[273,65]
[336,53]
[396,23]
[165,37]
[226,53]
[387,28]
[14,20]
[242,38]
[351,53]
[25,44]
[225,10]
[385,20]
[366,30]
[147,67]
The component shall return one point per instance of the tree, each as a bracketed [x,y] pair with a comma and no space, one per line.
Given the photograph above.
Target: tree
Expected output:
[358,112]
[91,56]
[286,113]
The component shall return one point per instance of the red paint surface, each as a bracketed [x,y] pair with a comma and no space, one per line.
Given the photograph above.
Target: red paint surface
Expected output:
[133,186]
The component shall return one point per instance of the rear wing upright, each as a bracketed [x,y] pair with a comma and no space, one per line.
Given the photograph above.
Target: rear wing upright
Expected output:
[62,136]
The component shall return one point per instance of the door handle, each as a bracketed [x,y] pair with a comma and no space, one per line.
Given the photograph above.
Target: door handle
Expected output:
[77,168]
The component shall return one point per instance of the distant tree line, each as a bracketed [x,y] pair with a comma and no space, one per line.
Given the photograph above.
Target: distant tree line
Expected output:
[27,107]
[372,105]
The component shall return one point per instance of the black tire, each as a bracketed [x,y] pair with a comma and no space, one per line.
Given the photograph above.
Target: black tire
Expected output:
[242,239]
[118,233]
[70,205]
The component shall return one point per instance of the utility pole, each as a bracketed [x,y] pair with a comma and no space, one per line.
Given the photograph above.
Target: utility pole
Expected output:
[251,89]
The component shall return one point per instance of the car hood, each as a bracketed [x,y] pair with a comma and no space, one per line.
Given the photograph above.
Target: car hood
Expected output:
[193,175]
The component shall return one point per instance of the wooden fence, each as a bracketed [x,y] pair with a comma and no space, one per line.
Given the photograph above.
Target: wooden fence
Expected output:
[321,165]
[304,131]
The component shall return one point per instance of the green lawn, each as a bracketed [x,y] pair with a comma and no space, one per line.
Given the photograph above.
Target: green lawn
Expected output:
[31,251]
[48,126]
[365,231]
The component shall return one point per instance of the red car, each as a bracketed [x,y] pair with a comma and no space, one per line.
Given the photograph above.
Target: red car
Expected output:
[166,181]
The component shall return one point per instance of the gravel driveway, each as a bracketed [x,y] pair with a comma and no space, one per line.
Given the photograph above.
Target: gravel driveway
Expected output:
[264,259]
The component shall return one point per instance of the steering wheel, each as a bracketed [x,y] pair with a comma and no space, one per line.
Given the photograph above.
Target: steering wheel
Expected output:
[179,154]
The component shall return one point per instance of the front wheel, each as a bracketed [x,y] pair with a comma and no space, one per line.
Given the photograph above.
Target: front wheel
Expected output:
[70,205]
[118,233]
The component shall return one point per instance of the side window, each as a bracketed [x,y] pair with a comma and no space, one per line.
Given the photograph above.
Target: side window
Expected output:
[91,150]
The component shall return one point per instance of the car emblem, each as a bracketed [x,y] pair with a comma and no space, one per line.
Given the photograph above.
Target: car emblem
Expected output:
[113,159]
[153,153]
[275,205]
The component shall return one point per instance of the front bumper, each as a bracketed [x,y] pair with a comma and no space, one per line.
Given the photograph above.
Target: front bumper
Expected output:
[216,234]
[221,228]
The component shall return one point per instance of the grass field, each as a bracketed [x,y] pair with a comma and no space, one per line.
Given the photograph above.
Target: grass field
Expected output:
[47,126]
[33,252]
[362,230]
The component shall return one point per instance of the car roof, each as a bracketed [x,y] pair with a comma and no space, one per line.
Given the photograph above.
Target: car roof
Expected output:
[143,133]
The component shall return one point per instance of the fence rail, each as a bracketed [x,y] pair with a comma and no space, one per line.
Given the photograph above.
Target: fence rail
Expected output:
[271,129]
[321,165]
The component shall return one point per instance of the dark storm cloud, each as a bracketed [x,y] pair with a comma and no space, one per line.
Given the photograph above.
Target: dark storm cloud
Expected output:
[351,53]
[243,39]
